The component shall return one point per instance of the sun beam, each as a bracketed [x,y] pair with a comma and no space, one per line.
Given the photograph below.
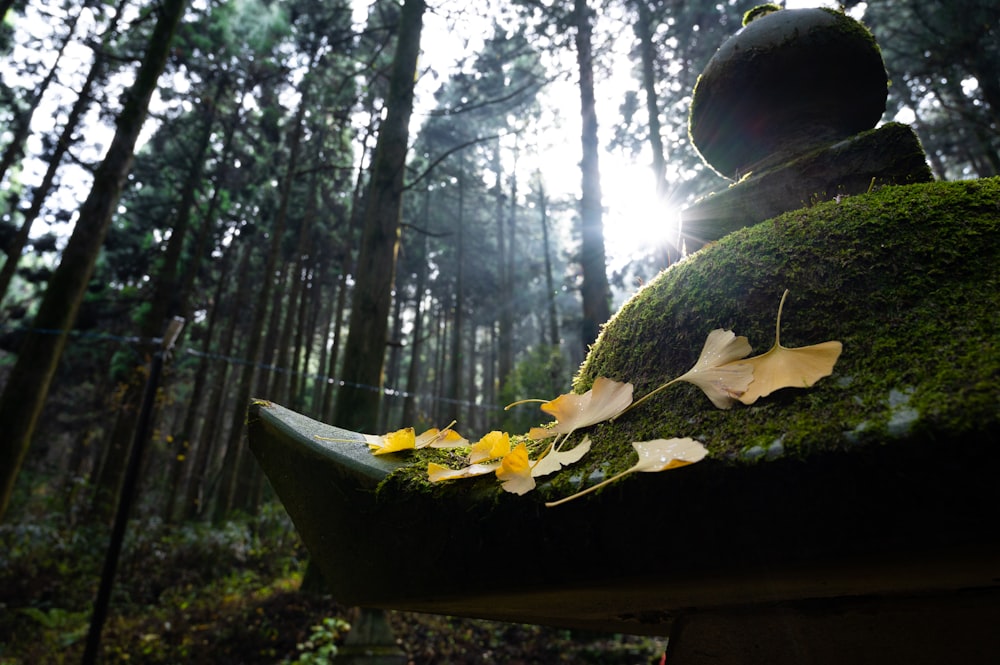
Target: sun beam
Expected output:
[637,224]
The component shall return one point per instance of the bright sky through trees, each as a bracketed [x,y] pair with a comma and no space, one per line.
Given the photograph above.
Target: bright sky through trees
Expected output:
[634,220]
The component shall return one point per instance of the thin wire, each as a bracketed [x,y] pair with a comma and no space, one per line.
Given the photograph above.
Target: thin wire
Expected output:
[234,360]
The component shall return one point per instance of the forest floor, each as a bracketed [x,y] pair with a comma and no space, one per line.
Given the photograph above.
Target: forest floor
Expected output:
[196,594]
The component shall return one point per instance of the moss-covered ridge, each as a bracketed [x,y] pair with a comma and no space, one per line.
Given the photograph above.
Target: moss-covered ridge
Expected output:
[906,277]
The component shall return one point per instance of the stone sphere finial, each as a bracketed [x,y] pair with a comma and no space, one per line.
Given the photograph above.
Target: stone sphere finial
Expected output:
[789,81]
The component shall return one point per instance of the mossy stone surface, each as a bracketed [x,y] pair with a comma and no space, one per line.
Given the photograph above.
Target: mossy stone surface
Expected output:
[907,278]
[787,82]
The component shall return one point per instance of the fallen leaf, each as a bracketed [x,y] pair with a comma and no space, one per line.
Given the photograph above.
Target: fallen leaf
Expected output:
[721,379]
[437,472]
[663,454]
[402,439]
[782,367]
[656,455]
[446,438]
[539,433]
[557,459]
[515,471]
[493,445]
[605,400]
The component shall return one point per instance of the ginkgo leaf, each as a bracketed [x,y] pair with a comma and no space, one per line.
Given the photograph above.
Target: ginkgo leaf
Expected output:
[373,440]
[605,400]
[493,445]
[716,373]
[515,471]
[663,454]
[557,459]
[437,472]
[538,433]
[656,455]
[402,439]
[446,438]
[782,367]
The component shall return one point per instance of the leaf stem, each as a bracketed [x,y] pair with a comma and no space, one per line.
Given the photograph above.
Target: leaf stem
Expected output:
[644,398]
[559,502]
[777,326]
[525,401]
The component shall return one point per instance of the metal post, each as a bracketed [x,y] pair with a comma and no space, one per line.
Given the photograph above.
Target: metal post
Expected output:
[128,491]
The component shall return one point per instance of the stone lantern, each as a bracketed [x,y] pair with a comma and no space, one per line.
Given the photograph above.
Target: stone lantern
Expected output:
[786,108]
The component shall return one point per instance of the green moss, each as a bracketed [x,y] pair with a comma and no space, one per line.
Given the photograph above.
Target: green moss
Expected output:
[905,277]
[758,11]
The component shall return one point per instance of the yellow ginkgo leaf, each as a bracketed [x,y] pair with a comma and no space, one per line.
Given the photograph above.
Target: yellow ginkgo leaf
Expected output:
[437,472]
[605,400]
[446,438]
[656,455]
[515,471]
[493,445]
[402,439]
[782,367]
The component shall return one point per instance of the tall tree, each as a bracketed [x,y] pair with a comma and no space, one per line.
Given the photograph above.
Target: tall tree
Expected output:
[358,400]
[595,290]
[29,381]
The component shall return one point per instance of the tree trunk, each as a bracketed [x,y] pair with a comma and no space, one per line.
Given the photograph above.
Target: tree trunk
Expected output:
[595,290]
[305,336]
[395,352]
[358,400]
[347,267]
[440,355]
[454,394]
[29,380]
[234,447]
[206,440]
[416,343]
[505,318]
[324,315]
[330,386]
[283,378]
[550,287]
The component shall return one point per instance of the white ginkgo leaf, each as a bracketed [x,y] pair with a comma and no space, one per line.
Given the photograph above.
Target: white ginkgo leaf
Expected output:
[605,399]
[717,371]
[557,459]
[663,454]
[437,473]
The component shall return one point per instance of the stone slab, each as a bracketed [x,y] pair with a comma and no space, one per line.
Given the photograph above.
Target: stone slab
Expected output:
[889,155]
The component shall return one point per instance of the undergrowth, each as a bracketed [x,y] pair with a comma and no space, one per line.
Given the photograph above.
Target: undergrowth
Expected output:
[197,593]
